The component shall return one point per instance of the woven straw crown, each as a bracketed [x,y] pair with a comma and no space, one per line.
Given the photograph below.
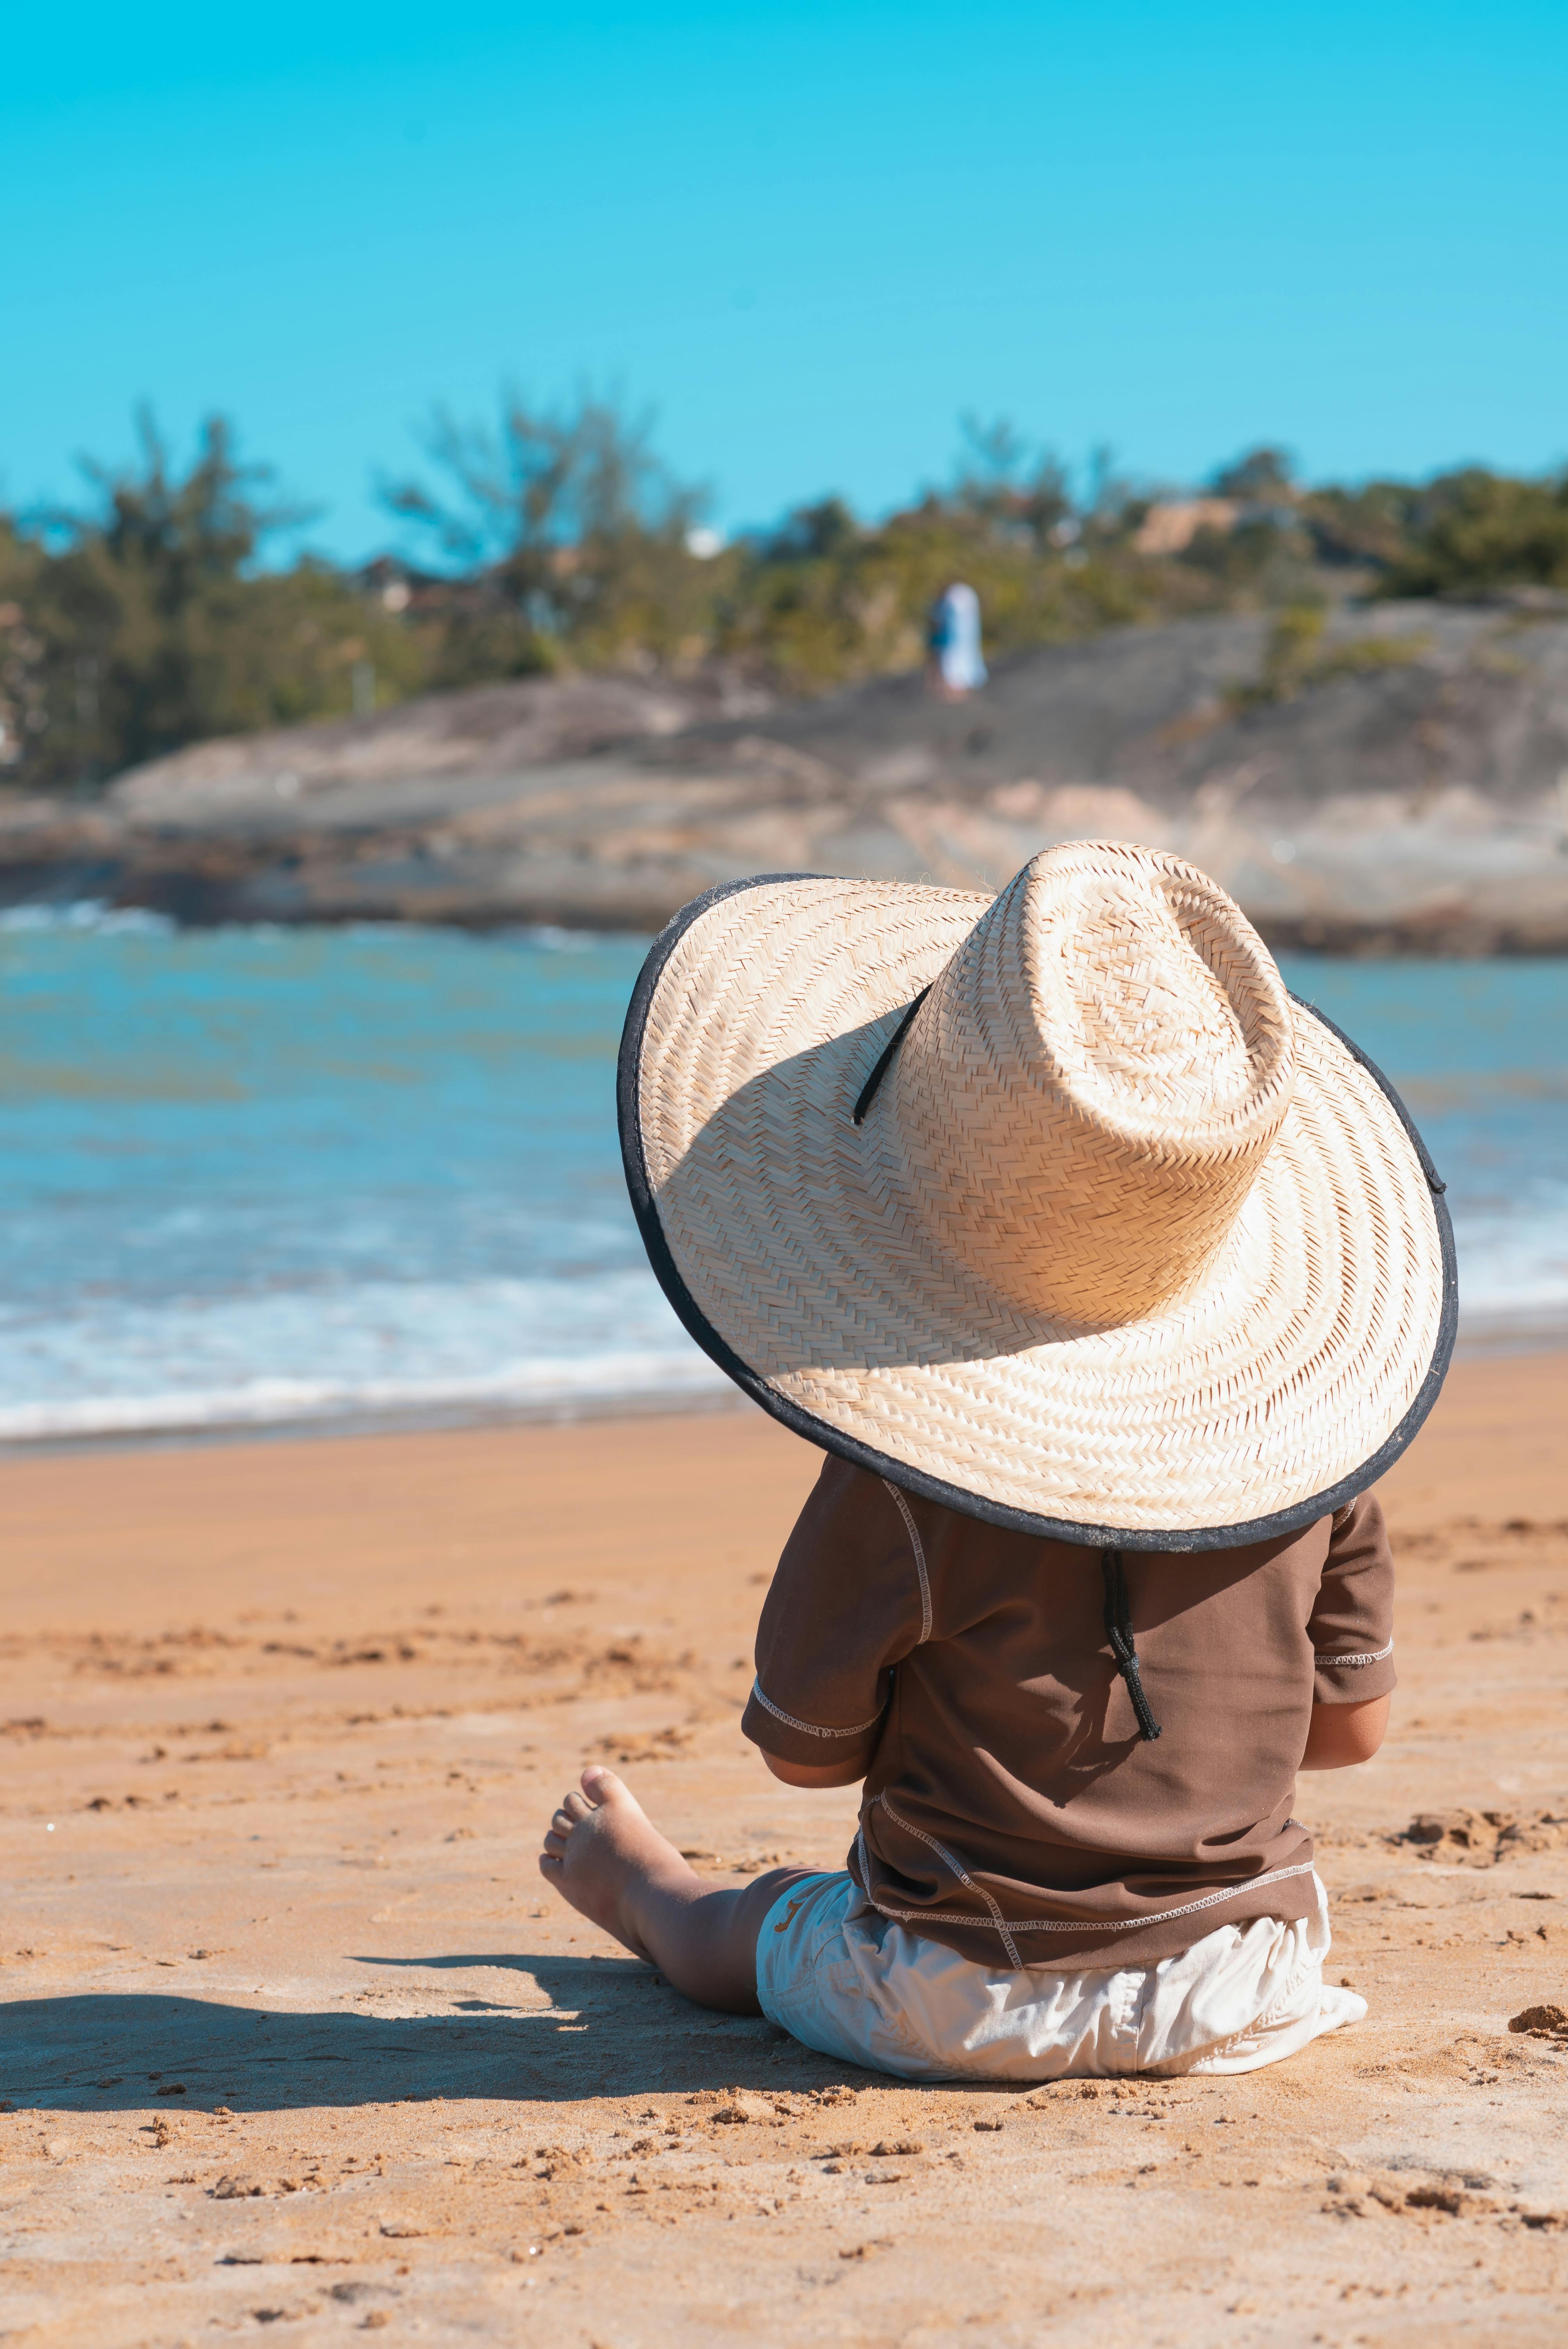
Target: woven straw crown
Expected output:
[1057,1207]
[1084,1100]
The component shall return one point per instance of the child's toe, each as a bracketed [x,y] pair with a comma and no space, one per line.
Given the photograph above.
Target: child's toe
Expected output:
[601,1785]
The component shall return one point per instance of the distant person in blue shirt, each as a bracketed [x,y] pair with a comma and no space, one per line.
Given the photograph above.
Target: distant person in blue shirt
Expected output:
[957,667]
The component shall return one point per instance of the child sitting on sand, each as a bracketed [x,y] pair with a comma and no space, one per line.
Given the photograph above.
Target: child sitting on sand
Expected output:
[1109,1278]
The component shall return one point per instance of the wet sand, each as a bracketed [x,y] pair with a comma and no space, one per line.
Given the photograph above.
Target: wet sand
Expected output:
[294,2039]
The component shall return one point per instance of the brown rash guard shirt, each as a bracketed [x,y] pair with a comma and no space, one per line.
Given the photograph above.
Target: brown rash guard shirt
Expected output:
[1010,1807]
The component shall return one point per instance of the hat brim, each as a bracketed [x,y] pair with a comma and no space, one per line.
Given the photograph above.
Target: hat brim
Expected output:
[759,1014]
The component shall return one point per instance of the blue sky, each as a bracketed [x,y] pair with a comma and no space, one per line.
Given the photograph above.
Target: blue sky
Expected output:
[809,235]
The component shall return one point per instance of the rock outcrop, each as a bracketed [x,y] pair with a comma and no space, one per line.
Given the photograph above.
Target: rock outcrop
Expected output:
[1406,790]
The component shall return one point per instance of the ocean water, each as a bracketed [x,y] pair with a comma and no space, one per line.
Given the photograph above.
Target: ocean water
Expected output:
[258,1176]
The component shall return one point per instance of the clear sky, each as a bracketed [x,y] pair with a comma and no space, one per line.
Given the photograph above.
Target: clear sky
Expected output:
[810,235]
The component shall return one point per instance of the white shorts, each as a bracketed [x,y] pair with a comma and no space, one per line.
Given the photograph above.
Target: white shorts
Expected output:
[856,1985]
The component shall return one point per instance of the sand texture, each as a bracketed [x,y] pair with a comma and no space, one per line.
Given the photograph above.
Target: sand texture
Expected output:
[293,2040]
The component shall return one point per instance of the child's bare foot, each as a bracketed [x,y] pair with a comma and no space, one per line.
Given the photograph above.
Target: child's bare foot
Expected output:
[602,1848]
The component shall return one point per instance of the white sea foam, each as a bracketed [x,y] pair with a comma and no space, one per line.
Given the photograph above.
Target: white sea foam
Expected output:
[88,913]
[610,1378]
[375,1348]
[1513,1263]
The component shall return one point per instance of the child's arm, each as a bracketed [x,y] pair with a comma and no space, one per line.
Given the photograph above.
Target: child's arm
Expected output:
[1342,1734]
[849,1601]
[1352,1633]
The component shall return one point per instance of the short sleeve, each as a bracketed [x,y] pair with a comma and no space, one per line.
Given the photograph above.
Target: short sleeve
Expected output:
[847,1603]
[1352,1624]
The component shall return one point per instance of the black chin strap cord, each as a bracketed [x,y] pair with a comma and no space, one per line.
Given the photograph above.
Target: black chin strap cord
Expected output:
[1119,1631]
[884,1059]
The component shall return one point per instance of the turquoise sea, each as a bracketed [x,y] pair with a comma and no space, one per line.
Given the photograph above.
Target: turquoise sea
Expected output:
[282,1175]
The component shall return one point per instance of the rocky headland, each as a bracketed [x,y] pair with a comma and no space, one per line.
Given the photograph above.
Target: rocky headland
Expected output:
[1396,783]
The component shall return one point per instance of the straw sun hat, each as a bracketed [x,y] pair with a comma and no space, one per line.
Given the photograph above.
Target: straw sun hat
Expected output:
[1055,1207]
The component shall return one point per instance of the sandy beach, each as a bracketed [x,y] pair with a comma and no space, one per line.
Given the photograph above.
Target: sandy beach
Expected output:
[295,2039]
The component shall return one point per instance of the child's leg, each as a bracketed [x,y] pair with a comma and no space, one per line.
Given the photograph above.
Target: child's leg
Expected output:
[611,1862]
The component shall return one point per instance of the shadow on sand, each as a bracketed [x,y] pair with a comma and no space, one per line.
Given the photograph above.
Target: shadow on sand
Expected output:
[612,2027]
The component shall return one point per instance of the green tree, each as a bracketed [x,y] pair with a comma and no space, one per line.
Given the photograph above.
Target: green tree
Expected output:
[144,620]
[1472,530]
[570,534]
[825,599]
[1263,476]
[1020,491]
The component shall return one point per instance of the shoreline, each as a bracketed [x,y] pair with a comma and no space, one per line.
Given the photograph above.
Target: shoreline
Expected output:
[1500,1339]
[567,1410]
[1434,934]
